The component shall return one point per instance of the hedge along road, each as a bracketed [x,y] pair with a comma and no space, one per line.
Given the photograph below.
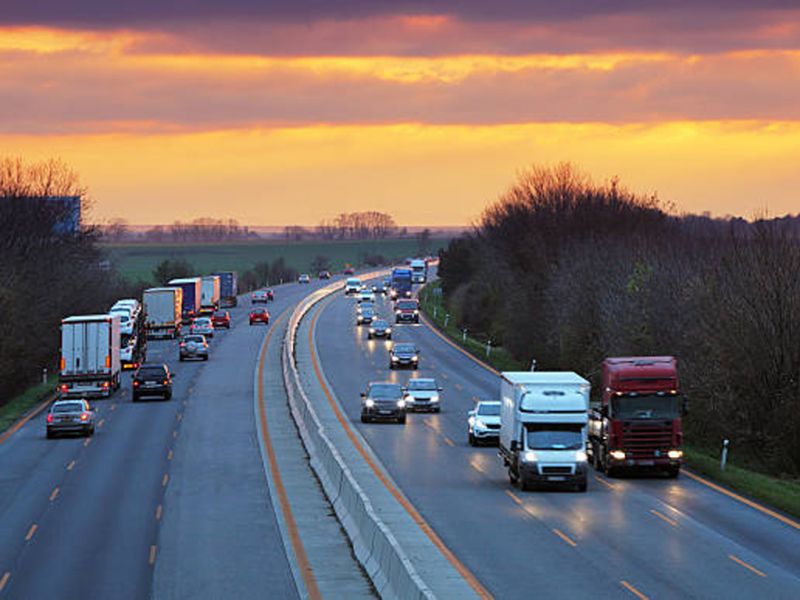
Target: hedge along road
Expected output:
[623,538]
[93,518]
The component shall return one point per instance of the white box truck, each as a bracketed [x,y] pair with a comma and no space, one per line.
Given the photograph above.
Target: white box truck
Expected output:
[90,365]
[209,294]
[543,428]
[162,312]
[419,271]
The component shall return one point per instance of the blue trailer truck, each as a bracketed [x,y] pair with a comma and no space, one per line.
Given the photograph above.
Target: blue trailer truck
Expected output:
[401,282]
[228,288]
[191,296]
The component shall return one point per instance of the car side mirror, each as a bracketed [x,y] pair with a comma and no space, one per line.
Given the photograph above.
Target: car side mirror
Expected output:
[439,389]
[685,407]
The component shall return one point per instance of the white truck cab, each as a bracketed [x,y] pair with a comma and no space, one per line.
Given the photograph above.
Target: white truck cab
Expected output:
[352,285]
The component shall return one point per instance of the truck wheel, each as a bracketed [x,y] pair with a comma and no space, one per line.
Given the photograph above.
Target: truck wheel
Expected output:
[388,337]
[673,472]
[581,487]
[512,476]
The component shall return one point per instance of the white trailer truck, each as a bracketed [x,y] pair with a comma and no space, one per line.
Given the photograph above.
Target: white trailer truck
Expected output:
[162,312]
[419,271]
[90,364]
[209,294]
[543,428]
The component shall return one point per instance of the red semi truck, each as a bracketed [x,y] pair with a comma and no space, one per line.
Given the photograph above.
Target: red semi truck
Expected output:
[637,425]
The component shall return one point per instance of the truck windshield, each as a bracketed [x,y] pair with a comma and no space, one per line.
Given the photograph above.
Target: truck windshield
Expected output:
[551,436]
[645,407]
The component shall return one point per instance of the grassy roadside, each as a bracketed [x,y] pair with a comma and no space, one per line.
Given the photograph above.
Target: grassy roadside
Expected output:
[783,494]
[17,407]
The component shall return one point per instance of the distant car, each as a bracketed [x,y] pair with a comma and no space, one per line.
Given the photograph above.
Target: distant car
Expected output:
[363,306]
[126,318]
[202,326]
[365,316]
[152,379]
[126,352]
[380,288]
[483,422]
[406,310]
[365,296]
[324,275]
[260,297]
[348,271]
[352,286]
[383,401]
[70,416]
[304,278]
[221,318]
[379,328]
[423,394]
[259,315]
[404,355]
[193,346]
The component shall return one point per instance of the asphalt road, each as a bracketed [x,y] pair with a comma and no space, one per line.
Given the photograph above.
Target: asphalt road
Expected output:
[87,518]
[637,537]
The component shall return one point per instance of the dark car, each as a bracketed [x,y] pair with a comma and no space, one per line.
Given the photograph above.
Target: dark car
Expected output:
[365,316]
[404,355]
[380,288]
[70,416]
[259,315]
[152,379]
[406,311]
[324,275]
[221,318]
[383,401]
[380,328]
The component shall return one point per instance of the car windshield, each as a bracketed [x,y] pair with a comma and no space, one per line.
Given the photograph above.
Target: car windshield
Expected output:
[202,322]
[65,407]
[221,315]
[405,348]
[150,372]
[259,311]
[385,391]
[645,407]
[407,305]
[489,410]
[552,436]
[422,384]
[379,324]
[368,311]
[194,338]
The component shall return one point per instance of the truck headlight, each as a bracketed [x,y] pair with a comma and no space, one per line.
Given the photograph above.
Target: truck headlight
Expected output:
[617,454]
[675,454]
[369,403]
[529,456]
[580,456]
[401,403]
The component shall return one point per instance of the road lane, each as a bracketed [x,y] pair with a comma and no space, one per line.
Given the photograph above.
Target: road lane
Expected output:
[620,544]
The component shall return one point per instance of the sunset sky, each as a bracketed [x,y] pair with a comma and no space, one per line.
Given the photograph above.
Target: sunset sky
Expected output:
[275,113]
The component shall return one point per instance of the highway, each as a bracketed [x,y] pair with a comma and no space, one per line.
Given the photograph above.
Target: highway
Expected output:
[179,481]
[627,537]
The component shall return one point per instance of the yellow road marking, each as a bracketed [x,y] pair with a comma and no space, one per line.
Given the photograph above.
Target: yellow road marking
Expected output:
[605,482]
[448,441]
[633,590]
[413,513]
[54,493]
[158,512]
[113,407]
[86,442]
[165,480]
[153,550]
[514,497]
[747,566]
[4,580]
[179,416]
[169,455]
[564,537]
[31,532]
[283,498]
[743,500]
[174,434]
[100,423]
[70,465]
[459,387]
[664,517]
[477,467]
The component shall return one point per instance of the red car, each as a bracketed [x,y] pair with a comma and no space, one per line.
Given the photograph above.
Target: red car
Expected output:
[221,318]
[259,315]
[349,271]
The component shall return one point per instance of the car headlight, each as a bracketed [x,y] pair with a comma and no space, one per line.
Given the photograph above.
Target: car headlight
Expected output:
[529,456]
[372,330]
[675,454]
[435,398]
[369,403]
[416,312]
[580,456]
[401,403]
[395,359]
[397,312]
[617,454]
[388,330]
[408,398]
[471,421]
[480,424]
[415,358]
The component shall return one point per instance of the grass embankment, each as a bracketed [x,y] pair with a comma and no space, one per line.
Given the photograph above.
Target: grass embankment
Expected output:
[17,407]
[137,261]
[783,494]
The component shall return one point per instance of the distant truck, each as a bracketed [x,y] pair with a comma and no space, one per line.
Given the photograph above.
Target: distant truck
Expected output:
[228,288]
[419,271]
[191,287]
[401,282]
[543,423]
[163,312]
[209,294]
[90,364]
[638,424]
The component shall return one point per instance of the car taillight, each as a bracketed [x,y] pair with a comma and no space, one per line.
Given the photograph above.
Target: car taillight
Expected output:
[104,384]
[183,345]
[84,416]
[49,418]
[166,381]
[64,388]
[135,383]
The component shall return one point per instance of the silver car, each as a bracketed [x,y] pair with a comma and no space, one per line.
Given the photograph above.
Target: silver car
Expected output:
[423,394]
[203,326]
[193,346]
[70,416]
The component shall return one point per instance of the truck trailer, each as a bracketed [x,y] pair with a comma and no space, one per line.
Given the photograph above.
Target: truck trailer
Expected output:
[228,288]
[209,294]
[543,428]
[638,423]
[162,312]
[191,287]
[90,362]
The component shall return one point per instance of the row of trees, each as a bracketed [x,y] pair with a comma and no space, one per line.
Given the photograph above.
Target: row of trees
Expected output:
[200,230]
[569,272]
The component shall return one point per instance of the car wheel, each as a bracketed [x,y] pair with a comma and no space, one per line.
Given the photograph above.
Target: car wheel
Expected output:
[90,431]
[416,367]
[369,336]
[438,409]
[50,435]
[135,398]
[512,476]
[168,396]
[581,487]
[673,472]
[180,358]
[364,418]
[205,357]
[388,337]
[391,366]
[471,439]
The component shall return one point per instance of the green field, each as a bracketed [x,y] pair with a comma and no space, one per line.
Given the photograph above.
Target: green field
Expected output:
[137,261]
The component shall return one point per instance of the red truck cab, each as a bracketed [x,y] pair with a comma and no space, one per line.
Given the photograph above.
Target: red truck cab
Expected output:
[638,425]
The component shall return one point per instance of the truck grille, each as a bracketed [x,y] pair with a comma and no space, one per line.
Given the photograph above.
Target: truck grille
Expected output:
[556,470]
[642,440]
